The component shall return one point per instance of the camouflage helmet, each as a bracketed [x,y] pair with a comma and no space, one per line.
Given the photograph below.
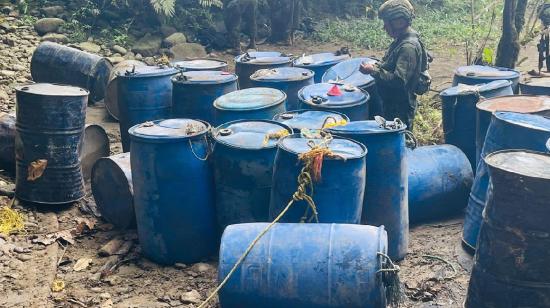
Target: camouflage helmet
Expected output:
[394,9]
[545,14]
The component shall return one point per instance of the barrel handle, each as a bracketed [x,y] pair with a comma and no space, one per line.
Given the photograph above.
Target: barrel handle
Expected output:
[208,149]
[390,276]
[410,140]
[548,146]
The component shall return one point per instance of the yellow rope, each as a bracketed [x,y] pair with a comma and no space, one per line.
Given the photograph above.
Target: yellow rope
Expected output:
[276,135]
[10,220]
[305,184]
[342,122]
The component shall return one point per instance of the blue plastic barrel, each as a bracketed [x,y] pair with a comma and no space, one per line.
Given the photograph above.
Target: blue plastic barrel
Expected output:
[311,119]
[440,179]
[348,72]
[535,86]
[111,94]
[385,201]
[338,194]
[508,130]
[48,142]
[304,265]
[200,65]
[194,93]
[319,63]
[248,63]
[352,101]
[478,74]
[287,79]
[514,103]
[249,104]
[144,94]
[173,190]
[243,156]
[112,189]
[56,63]
[459,113]
[511,262]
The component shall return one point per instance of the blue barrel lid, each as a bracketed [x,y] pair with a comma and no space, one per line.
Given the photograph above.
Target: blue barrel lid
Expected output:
[200,64]
[204,77]
[516,103]
[311,119]
[250,99]
[282,74]
[251,134]
[538,82]
[320,59]
[369,127]
[346,148]
[462,89]
[531,121]
[169,129]
[147,71]
[348,72]
[51,89]
[481,71]
[316,95]
[263,57]
[527,163]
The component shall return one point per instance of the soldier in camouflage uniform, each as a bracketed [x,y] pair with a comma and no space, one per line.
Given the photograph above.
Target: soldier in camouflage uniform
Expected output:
[397,74]
[285,20]
[234,13]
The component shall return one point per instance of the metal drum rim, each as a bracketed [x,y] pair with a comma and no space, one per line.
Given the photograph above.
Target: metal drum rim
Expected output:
[223,63]
[516,74]
[168,71]
[19,89]
[364,100]
[227,144]
[310,75]
[488,163]
[167,139]
[275,103]
[336,130]
[497,115]
[120,173]
[296,135]
[482,104]
[175,80]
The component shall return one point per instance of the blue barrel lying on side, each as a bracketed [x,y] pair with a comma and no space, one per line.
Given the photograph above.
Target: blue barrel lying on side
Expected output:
[144,94]
[304,265]
[248,63]
[478,74]
[535,86]
[287,79]
[459,113]
[55,63]
[511,262]
[508,130]
[194,93]
[348,72]
[440,179]
[249,104]
[311,119]
[48,142]
[173,190]
[514,103]
[200,65]
[319,63]
[243,156]
[352,102]
[113,191]
[386,190]
[338,194]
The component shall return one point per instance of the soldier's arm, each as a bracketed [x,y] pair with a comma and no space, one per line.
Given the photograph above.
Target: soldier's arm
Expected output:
[405,68]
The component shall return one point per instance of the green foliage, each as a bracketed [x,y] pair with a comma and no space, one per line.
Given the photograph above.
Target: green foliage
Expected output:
[428,127]
[209,3]
[488,56]
[164,7]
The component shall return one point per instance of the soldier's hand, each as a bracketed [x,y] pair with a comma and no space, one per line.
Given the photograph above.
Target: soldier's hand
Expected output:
[366,68]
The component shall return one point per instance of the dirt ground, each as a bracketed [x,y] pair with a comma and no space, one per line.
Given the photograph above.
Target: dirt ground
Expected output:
[434,273]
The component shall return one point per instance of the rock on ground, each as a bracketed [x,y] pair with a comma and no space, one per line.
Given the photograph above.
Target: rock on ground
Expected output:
[47,25]
[55,37]
[52,11]
[174,39]
[187,50]
[148,45]
[119,49]
[89,47]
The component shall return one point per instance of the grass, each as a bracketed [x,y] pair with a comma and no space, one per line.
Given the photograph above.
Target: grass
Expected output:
[428,128]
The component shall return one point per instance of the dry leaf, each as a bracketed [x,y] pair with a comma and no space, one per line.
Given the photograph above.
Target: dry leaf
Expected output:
[82,264]
[51,238]
[83,224]
[58,285]
[36,169]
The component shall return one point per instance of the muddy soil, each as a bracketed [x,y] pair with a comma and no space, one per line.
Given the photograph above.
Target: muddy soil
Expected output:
[38,271]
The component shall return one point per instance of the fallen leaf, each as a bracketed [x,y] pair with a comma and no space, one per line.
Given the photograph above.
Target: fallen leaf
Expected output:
[58,285]
[82,264]
[51,238]
[36,169]
[83,224]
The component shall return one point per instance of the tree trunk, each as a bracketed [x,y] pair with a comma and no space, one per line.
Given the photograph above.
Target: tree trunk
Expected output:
[513,18]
